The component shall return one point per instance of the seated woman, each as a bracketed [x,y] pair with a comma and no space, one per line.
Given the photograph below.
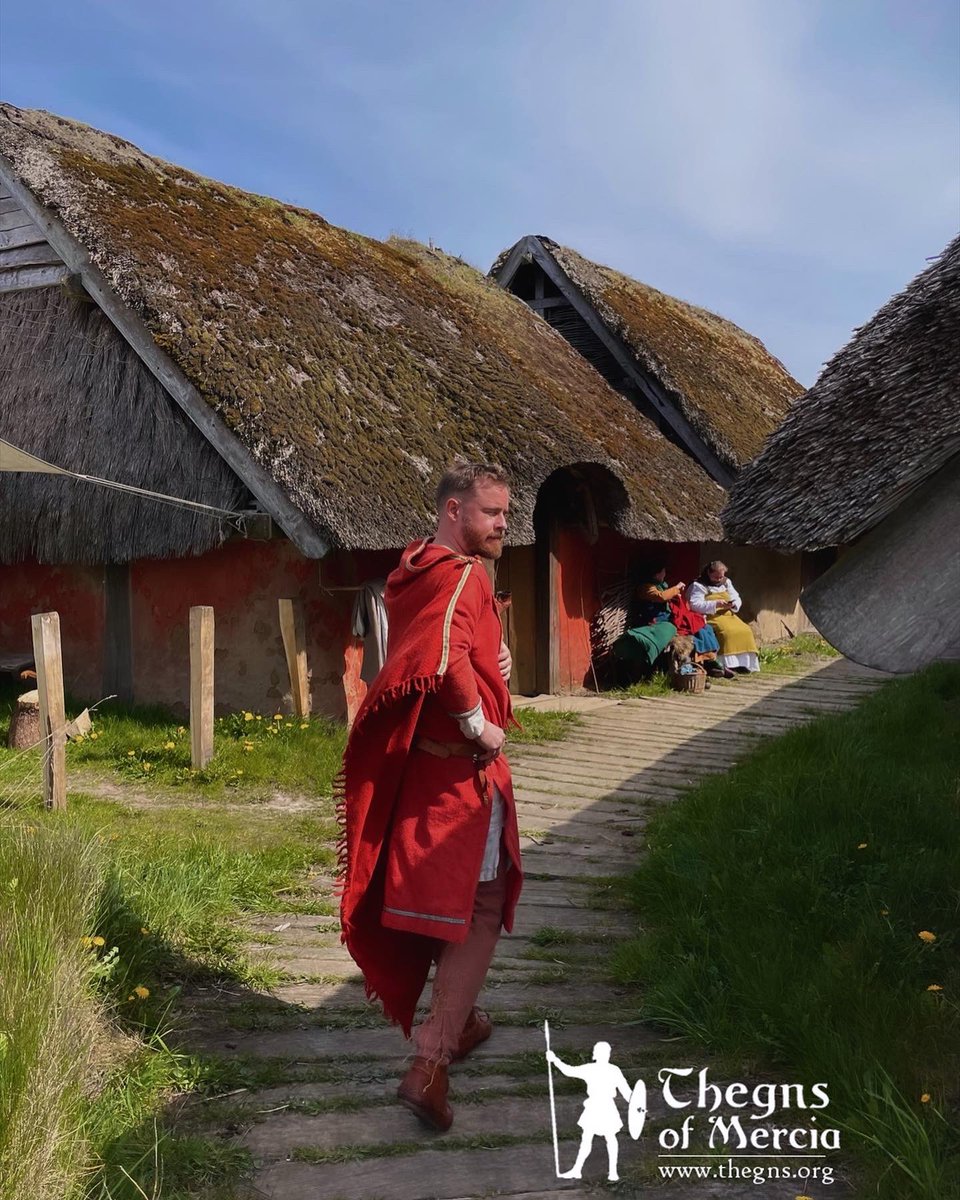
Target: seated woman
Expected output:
[714,597]
[651,629]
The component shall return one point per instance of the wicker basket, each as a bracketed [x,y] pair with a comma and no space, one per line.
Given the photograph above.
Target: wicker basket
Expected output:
[695,684]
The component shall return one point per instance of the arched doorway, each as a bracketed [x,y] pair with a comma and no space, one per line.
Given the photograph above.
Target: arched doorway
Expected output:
[574,505]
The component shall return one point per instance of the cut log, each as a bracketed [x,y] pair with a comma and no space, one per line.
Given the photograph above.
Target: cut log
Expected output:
[25,722]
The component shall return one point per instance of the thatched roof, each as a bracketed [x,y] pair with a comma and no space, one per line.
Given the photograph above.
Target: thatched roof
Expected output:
[352,370]
[724,381]
[881,419]
[75,394]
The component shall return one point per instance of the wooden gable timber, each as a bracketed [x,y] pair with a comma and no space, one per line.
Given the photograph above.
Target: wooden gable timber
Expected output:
[77,263]
[27,260]
[531,249]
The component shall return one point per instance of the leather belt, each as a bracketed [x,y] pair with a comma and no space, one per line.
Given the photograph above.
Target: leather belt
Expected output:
[445,749]
[453,750]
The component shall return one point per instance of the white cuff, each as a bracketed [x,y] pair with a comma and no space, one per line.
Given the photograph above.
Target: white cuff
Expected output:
[471,723]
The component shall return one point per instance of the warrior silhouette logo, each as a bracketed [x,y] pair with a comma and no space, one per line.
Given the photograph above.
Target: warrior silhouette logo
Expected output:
[600,1117]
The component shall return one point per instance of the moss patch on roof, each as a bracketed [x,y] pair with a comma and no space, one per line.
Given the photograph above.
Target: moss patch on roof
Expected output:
[726,383]
[882,418]
[353,370]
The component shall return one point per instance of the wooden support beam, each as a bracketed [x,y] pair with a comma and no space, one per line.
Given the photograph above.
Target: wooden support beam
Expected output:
[53,718]
[294,632]
[201,685]
[26,279]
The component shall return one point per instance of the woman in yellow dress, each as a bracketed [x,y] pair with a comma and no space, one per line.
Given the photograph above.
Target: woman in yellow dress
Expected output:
[714,597]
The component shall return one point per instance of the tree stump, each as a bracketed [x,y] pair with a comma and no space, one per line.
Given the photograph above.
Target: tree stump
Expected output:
[25,722]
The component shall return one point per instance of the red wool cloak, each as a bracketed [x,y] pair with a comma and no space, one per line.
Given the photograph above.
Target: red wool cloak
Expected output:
[413,825]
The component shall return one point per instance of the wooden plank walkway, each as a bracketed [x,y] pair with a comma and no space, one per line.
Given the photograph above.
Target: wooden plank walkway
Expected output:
[324,1124]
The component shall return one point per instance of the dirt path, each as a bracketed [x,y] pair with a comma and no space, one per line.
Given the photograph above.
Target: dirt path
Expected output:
[320,1117]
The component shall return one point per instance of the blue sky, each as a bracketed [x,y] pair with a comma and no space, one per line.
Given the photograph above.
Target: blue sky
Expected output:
[788,164]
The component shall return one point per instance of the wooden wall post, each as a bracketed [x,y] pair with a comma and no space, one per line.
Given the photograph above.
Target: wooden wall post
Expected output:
[53,718]
[293,631]
[201,685]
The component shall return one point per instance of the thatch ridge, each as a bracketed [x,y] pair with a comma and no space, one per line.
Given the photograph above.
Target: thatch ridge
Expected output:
[723,380]
[881,419]
[352,369]
[73,393]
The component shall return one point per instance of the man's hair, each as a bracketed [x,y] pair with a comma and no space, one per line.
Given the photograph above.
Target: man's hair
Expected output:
[460,477]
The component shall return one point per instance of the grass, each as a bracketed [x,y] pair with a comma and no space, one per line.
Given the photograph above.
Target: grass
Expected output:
[783,905]
[542,726]
[795,653]
[107,912]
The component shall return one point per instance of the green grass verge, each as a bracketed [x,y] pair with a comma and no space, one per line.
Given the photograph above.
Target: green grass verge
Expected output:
[787,907]
[541,726]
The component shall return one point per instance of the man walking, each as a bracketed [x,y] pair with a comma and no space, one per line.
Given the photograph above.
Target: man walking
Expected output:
[430,854]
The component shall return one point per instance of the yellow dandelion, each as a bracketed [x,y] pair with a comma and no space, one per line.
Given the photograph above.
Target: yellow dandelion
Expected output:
[29,829]
[114,837]
[926,936]
[169,745]
[934,987]
[79,738]
[248,716]
[145,931]
[148,766]
[925,1098]
[98,941]
[862,846]
[240,772]
[259,718]
[94,736]
[131,754]
[278,716]
[86,942]
[804,1198]
[884,912]
[140,993]
[248,748]
[181,729]
[304,725]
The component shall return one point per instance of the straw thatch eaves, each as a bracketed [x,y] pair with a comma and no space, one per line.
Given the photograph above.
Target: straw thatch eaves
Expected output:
[75,394]
[346,371]
[713,386]
[881,420]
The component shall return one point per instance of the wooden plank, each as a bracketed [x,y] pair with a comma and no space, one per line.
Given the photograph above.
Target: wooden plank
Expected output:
[264,487]
[53,717]
[8,204]
[26,279]
[201,685]
[38,255]
[15,218]
[26,236]
[293,632]
[118,634]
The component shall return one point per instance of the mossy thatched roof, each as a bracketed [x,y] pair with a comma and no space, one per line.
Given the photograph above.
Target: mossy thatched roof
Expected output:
[353,370]
[724,381]
[881,419]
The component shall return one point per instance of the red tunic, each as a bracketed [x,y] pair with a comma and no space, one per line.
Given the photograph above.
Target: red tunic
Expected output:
[414,824]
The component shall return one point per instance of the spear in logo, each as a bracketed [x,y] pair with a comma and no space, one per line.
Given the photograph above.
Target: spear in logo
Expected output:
[553,1108]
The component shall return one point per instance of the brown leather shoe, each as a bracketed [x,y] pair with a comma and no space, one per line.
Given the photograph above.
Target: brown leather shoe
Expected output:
[477,1029]
[424,1091]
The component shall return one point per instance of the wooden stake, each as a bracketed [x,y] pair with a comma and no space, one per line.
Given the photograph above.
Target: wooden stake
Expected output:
[201,685]
[293,631]
[53,718]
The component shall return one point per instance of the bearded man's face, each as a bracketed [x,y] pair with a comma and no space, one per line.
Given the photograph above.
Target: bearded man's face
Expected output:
[483,518]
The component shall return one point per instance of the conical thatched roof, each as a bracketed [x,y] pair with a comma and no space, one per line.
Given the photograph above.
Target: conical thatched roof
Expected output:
[881,419]
[351,370]
[724,381]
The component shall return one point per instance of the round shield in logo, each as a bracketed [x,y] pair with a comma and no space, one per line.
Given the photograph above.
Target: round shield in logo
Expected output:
[637,1109]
